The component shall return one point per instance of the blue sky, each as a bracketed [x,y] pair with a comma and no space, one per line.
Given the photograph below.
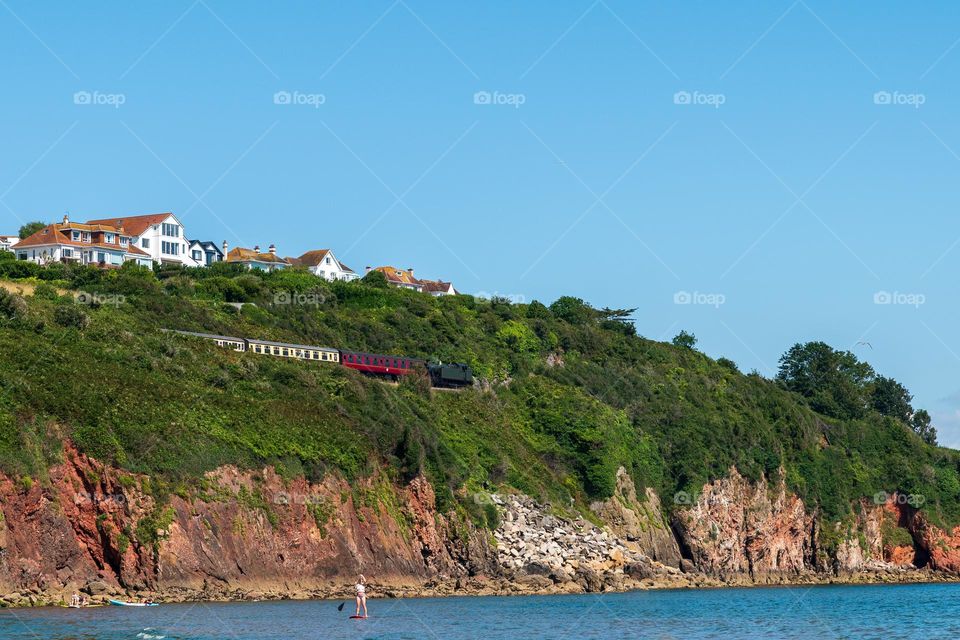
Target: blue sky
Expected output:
[757,173]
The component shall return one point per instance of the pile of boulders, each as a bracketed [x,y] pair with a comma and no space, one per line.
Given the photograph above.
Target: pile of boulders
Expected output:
[533,542]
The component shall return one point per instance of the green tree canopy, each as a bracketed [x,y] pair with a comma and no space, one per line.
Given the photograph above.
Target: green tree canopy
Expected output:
[31,228]
[921,423]
[891,398]
[834,382]
[685,340]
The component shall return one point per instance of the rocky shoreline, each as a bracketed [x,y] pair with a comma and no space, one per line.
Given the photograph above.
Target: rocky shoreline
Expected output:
[470,587]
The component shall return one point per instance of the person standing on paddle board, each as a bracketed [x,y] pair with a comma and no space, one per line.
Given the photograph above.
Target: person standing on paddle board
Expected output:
[361,590]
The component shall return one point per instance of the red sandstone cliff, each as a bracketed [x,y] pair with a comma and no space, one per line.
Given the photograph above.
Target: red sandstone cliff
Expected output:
[251,534]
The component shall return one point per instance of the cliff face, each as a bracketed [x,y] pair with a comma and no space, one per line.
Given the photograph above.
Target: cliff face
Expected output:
[95,528]
[249,534]
[738,527]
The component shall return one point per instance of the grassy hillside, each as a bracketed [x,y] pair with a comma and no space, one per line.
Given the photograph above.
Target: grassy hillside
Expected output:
[569,394]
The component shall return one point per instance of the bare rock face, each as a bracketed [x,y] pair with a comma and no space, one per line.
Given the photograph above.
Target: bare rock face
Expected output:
[642,524]
[94,528]
[738,527]
[860,547]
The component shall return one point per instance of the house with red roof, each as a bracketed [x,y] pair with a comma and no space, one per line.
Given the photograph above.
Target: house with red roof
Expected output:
[438,288]
[160,235]
[322,263]
[402,278]
[255,259]
[97,244]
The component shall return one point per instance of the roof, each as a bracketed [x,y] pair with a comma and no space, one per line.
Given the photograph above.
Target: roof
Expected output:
[239,254]
[437,285]
[207,244]
[134,225]
[312,258]
[399,276]
[315,257]
[53,234]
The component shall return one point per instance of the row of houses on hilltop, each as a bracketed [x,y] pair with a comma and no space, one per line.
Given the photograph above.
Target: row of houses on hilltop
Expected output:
[160,239]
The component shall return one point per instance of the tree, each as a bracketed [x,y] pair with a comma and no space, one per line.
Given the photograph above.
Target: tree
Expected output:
[921,424]
[890,398]
[30,228]
[685,340]
[376,278]
[572,310]
[835,383]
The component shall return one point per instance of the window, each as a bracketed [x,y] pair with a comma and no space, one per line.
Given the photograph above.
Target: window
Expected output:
[123,241]
[67,253]
[172,230]
[145,243]
[170,248]
[101,256]
[327,260]
[196,255]
[76,235]
[85,236]
[108,238]
[22,255]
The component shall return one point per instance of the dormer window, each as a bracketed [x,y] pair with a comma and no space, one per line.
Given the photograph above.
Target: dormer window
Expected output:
[76,235]
[123,241]
[85,236]
[108,238]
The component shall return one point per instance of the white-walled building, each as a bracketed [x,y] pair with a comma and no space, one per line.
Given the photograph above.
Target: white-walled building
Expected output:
[7,243]
[160,235]
[322,263]
[202,253]
[96,244]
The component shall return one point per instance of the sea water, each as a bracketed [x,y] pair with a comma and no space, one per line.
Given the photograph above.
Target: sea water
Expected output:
[881,612]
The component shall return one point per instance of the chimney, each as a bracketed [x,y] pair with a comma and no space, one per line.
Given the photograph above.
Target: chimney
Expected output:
[225,245]
[66,218]
[272,249]
[256,248]
[368,270]
[411,271]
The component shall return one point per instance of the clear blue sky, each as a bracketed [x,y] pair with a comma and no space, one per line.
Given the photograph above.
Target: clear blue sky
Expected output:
[794,202]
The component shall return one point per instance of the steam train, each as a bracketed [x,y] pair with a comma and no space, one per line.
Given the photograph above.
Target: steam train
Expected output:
[449,375]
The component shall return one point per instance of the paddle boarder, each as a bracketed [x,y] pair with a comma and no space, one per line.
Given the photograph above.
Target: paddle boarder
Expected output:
[361,590]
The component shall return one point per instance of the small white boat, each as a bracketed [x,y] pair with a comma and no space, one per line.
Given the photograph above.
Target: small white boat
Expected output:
[121,603]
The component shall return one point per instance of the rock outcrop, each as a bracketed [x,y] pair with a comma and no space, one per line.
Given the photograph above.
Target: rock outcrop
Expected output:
[641,524]
[738,527]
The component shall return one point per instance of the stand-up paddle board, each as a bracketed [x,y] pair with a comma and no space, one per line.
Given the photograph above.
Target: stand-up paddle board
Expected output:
[358,617]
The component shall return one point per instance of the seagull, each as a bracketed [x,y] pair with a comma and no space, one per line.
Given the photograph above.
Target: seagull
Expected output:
[864,343]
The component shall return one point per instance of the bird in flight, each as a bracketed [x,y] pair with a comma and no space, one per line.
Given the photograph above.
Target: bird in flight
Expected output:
[862,342]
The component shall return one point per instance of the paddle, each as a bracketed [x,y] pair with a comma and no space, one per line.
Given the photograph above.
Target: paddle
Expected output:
[340,608]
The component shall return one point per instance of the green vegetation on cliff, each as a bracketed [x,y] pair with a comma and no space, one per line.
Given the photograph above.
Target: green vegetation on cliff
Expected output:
[569,394]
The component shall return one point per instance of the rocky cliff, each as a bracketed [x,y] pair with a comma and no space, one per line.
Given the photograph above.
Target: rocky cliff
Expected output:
[255,535]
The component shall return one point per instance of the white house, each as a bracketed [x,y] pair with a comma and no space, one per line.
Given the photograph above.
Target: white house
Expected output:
[438,288]
[322,263]
[8,242]
[97,244]
[160,235]
[202,253]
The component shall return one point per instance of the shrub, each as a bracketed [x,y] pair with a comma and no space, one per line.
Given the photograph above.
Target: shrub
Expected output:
[71,315]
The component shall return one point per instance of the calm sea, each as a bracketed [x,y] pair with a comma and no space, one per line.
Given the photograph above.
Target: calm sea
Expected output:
[882,612]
